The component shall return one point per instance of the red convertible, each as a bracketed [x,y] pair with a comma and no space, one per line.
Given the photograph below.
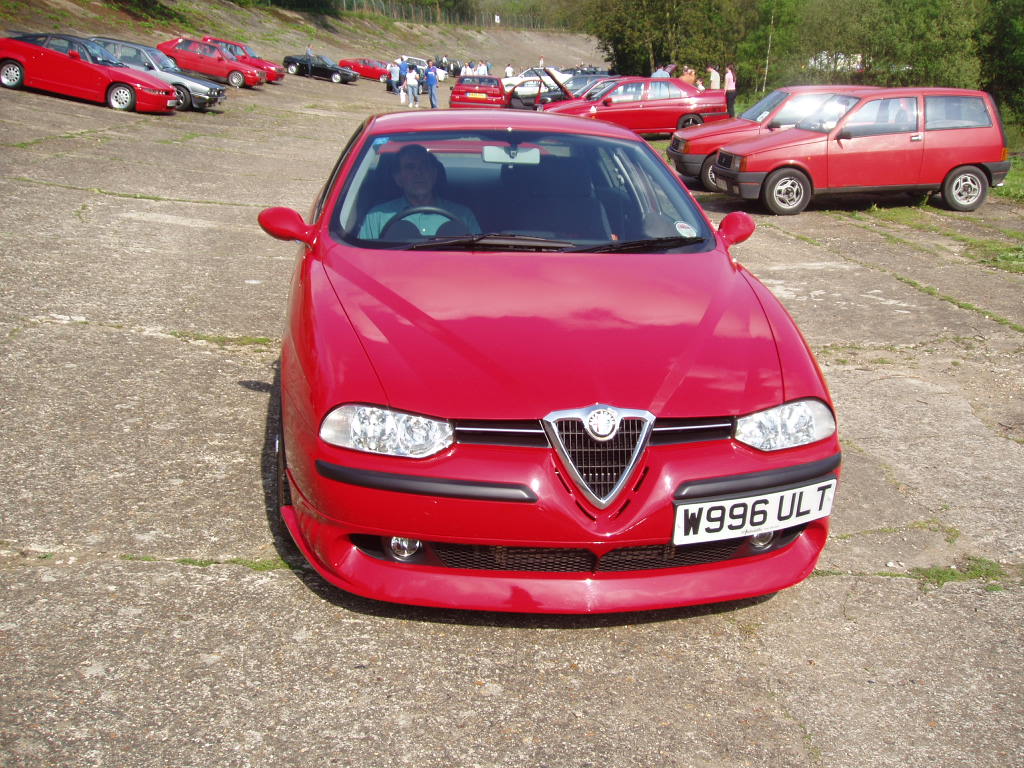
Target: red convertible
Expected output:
[650,105]
[73,66]
[521,371]
[210,60]
[247,55]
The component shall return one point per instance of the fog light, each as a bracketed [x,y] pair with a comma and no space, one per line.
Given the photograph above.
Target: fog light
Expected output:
[760,540]
[403,549]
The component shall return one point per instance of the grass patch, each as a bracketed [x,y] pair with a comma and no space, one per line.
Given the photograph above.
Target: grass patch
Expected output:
[223,341]
[994,317]
[269,564]
[972,569]
[1013,187]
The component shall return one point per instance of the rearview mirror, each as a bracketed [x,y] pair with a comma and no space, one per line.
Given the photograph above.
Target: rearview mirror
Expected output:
[511,155]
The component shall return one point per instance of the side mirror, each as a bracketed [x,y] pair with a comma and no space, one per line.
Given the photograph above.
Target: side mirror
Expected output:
[607,102]
[846,133]
[285,224]
[75,55]
[736,227]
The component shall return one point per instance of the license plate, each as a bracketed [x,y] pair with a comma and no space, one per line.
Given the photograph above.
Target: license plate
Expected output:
[721,185]
[476,95]
[731,518]
[172,102]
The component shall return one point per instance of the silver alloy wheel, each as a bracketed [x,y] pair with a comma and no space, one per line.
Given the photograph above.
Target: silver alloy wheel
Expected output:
[788,192]
[236,79]
[966,189]
[11,74]
[292,69]
[336,77]
[121,97]
[183,99]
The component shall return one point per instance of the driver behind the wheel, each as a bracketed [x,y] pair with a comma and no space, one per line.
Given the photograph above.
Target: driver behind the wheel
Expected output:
[416,174]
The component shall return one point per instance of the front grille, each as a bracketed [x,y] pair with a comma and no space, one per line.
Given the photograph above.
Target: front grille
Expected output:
[557,560]
[530,433]
[600,464]
[725,159]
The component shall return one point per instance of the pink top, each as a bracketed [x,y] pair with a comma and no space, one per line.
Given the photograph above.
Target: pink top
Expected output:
[730,81]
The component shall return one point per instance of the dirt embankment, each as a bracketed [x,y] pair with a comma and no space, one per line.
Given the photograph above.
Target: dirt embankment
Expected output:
[276,32]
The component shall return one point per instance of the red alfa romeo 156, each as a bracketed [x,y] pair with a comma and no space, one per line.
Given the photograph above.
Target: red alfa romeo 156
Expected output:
[522,372]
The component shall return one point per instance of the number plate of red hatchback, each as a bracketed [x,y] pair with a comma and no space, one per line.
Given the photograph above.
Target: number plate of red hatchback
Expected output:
[699,521]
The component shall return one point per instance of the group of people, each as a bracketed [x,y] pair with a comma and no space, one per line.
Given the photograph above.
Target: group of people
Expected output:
[689,75]
[406,79]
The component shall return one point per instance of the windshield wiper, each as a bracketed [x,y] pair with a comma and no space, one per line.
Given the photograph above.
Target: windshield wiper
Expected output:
[624,246]
[491,241]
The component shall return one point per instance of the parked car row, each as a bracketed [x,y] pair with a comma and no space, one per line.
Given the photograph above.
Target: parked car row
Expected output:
[180,73]
[800,142]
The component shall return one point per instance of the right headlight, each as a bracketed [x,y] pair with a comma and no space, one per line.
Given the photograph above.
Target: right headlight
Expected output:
[786,426]
[373,429]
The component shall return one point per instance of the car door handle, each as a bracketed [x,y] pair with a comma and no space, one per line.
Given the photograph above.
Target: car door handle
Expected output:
[917,137]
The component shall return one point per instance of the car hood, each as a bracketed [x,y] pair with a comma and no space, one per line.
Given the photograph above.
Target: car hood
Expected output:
[780,140]
[518,335]
[721,128]
[572,107]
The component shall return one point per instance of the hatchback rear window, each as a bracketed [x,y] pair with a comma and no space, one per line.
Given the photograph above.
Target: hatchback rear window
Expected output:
[489,82]
[943,112]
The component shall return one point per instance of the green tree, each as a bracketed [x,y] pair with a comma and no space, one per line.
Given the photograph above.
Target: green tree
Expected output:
[1001,45]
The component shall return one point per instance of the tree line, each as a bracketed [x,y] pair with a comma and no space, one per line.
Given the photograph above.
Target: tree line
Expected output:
[955,43]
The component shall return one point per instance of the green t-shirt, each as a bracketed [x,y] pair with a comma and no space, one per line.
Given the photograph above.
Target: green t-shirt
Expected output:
[427,223]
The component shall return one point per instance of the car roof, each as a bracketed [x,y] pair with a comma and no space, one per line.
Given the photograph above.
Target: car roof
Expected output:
[488,119]
[124,42]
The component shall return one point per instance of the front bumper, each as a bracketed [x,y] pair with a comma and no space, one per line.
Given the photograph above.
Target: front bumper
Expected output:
[746,185]
[515,538]
[686,164]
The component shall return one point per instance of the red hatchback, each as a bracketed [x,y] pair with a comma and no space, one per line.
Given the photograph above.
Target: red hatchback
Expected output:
[693,149]
[73,66]
[522,372]
[209,60]
[875,140]
[650,105]
[371,69]
[473,91]
[245,54]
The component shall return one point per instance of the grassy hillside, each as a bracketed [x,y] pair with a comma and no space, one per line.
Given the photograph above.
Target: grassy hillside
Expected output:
[276,32]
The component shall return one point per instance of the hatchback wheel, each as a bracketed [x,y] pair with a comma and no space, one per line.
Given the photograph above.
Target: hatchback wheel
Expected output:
[236,79]
[184,98]
[12,75]
[707,174]
[965,188]
[122,97]
[786,192]
[336,77]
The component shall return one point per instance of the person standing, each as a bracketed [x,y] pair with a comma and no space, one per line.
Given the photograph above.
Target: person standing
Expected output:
[403,72]
[393,76]
[412,86]
[714,79]
[432,83]
[509,71]
[309,59]
[660,71]
[730,89]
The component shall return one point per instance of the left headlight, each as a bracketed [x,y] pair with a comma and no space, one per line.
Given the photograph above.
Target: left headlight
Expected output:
[373,429]
[786,426]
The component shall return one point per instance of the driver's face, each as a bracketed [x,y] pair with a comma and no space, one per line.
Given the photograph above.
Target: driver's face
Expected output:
[416,176]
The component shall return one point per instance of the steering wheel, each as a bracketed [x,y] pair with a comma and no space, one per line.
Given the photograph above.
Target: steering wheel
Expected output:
[429,209]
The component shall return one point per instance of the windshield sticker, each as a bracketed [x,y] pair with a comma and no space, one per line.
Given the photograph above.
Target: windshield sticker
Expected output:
[685,229]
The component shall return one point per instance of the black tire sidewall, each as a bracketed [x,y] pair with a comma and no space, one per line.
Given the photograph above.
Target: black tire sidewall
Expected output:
[768,191]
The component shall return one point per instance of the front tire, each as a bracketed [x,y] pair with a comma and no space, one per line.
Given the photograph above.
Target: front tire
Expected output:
[707,174]
[688,121]
[965,188]
[12,74]
[121,97]
[786,192]
[183,97]
[236,79]
[292,69]
[336,77]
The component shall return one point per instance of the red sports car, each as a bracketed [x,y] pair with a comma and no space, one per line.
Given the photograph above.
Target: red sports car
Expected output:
[371,69]
[210,60]
[73,66]
[650,105]
[244,53]
[522,372]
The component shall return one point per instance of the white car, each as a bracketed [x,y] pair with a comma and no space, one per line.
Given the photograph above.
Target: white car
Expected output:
[535,74]
[421,67]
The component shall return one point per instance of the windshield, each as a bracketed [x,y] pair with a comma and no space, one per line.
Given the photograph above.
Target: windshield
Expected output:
[162,60]
[600,89]
[824,119]
[99,54]
[250,52]
[488,188]
[764,107]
